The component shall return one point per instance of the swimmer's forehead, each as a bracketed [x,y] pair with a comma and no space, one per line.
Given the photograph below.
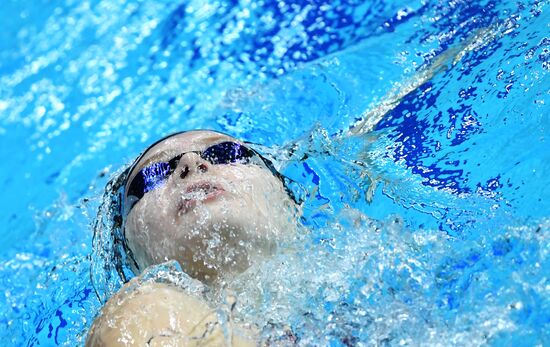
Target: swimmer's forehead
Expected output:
[196,140]
[185,142]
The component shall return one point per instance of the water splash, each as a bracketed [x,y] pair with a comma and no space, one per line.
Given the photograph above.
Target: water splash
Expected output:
[461,159]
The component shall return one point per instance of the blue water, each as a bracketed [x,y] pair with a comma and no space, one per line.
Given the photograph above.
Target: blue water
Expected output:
[424,223]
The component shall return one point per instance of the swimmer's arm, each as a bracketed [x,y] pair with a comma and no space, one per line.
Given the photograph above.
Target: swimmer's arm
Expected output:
[300,149]
[450,57]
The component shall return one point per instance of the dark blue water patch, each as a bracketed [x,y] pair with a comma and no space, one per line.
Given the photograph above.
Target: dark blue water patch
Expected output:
[41,323]
[501,247]
[475,57]
[468,92]
[232,118]
[455,277]
[468,15]
[54,321]
[62,324]
[316,180]
[51,178]
[405,15]
[413,137]
[468,126]
[323,28]
[318,183]
[173,25]
[491,185]
[314,177]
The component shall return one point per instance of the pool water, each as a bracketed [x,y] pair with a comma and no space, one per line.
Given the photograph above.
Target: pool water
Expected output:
[418,130]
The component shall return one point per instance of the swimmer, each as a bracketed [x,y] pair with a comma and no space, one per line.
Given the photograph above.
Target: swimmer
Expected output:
[209,202]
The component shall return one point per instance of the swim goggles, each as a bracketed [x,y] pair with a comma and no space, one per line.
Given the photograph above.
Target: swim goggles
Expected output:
[155,175]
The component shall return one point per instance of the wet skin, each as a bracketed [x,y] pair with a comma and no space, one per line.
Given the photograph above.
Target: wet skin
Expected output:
[213,219]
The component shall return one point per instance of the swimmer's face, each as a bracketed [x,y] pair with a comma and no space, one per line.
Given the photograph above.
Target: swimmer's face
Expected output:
[206,200]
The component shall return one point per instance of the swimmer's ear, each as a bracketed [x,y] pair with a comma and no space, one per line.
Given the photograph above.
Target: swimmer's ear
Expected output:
[125,263]
[293,189]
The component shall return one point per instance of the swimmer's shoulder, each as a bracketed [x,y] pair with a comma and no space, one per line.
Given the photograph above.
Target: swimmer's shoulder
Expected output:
[160,314]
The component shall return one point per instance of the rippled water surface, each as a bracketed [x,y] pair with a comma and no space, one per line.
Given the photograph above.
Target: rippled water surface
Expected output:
[419,130]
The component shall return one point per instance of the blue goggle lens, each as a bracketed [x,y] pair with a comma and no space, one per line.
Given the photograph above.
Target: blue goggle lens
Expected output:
[155,175]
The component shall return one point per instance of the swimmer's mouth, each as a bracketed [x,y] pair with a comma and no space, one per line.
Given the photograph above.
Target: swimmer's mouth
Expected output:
[199,192]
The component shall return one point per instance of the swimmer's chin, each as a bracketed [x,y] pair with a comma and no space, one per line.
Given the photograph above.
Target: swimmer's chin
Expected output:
[199,193]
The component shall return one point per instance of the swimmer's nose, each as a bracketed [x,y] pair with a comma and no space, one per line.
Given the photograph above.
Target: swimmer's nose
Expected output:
[190,164]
